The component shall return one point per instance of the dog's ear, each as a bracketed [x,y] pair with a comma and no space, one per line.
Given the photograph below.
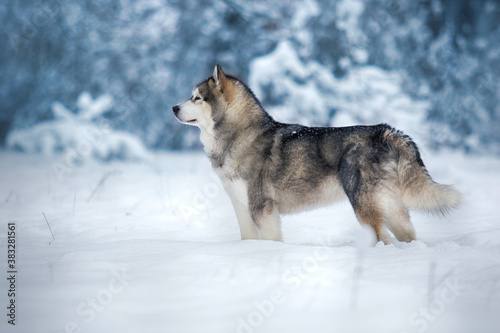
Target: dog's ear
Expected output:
[219,76]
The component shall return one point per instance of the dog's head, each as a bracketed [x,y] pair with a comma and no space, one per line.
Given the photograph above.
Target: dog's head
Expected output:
[209,101]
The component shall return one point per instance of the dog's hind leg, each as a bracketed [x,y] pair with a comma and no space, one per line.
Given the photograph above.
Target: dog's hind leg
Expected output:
[359,179]
[363,202]
[370,214]
[396,216]
[399,224]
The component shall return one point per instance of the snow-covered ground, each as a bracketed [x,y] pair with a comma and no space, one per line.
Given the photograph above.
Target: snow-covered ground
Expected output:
[154,247]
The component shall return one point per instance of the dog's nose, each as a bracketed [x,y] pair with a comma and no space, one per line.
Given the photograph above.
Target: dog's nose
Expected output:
[176,109]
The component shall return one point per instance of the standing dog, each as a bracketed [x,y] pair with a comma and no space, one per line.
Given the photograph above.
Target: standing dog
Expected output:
[269,168]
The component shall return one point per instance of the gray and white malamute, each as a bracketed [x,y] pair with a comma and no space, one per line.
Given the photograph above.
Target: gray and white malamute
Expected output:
[269,168]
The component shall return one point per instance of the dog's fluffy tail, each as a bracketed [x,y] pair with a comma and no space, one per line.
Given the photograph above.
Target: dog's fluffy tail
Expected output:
[419,191]
[429,196]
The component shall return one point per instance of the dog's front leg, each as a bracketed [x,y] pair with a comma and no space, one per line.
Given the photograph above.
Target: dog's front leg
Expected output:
[267,219]
[248,228]
[237,191]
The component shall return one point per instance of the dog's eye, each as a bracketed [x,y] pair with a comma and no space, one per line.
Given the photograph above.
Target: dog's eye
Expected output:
[197,98]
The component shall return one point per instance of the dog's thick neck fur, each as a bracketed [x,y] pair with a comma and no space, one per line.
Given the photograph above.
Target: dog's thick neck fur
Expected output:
[234,122]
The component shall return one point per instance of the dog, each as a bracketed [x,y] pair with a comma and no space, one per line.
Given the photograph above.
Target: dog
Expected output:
[270,168]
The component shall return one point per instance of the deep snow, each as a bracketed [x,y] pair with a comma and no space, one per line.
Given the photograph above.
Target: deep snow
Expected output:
[154,247]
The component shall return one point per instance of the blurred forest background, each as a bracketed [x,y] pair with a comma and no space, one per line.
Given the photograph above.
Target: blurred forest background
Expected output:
[322,62]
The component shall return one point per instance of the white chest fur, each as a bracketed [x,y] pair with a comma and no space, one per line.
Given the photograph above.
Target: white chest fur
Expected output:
[236,188]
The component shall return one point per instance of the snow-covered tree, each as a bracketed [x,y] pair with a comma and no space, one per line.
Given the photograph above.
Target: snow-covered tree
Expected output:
[79,134]
[148,55]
